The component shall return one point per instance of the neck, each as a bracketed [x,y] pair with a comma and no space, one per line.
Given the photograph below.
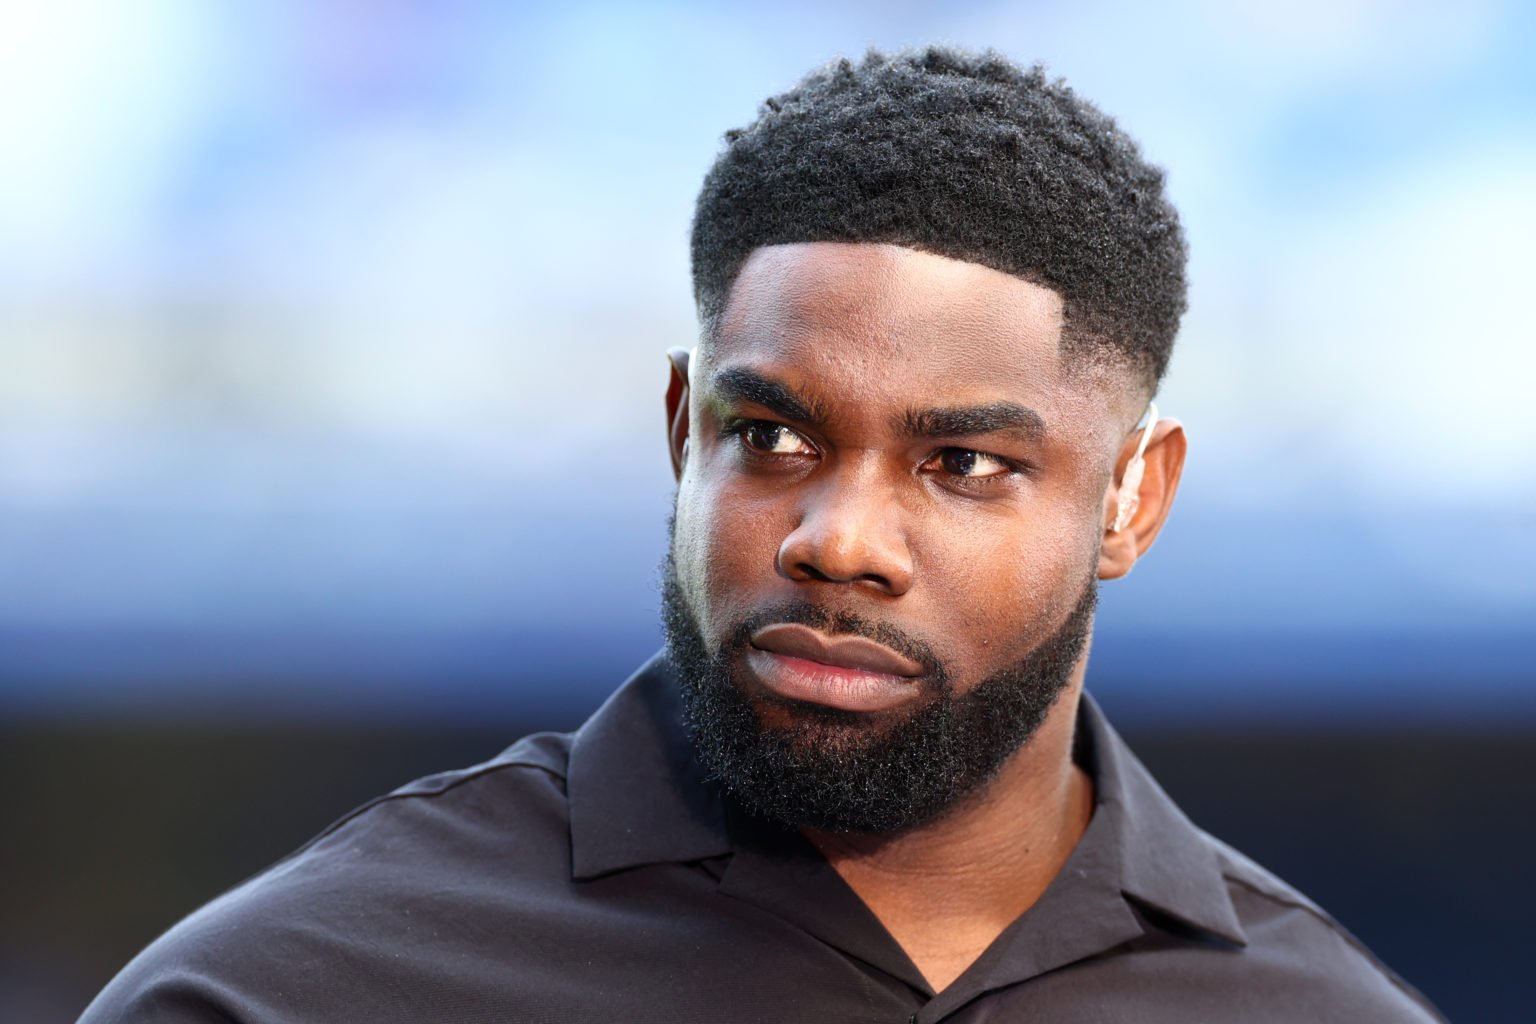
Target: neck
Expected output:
[946,890]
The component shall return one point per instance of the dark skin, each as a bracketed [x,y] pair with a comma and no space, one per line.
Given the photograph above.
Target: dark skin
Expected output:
[899,434]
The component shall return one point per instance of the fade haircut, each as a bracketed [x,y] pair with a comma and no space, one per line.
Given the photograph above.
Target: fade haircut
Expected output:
[963,155]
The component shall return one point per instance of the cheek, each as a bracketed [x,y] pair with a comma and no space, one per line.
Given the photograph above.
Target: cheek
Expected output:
[1002,583]
[724,539]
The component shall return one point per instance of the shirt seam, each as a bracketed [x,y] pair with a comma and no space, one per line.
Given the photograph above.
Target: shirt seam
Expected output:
[1382,969]
[469,775]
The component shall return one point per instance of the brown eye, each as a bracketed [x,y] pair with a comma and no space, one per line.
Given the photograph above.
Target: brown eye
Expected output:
[774,439]
[972,465]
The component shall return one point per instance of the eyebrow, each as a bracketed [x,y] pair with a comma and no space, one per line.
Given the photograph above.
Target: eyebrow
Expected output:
[963,421]
[739,384]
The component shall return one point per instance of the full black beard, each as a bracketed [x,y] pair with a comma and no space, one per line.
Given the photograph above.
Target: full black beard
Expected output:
[843,771]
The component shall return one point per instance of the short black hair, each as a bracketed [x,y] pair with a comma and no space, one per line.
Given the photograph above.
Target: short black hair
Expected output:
[964,155]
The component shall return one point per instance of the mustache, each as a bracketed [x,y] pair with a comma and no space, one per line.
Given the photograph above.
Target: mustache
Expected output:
[839,623]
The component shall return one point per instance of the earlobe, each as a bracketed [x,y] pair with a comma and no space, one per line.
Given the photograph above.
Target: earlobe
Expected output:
[678,362]
[1117,550]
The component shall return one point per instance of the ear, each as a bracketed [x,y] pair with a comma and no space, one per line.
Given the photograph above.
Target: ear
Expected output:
[1163,463]
[677,408]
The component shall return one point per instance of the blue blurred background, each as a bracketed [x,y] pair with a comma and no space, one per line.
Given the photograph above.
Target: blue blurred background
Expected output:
[330,384]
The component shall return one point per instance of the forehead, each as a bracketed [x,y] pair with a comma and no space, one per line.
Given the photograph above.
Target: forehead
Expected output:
[886,300]
[886,325]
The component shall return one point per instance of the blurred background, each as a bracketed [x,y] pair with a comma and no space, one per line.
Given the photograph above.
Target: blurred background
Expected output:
[331,445]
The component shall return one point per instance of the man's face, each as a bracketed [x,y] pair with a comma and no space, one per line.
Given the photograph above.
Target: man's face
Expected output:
[887,529]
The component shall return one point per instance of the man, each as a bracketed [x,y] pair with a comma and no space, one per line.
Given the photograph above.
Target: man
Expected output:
[937,294]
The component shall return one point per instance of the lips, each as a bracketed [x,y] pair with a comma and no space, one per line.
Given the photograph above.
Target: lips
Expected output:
[845,672]
[792,640]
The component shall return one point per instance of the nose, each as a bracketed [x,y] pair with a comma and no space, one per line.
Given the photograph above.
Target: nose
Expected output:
[850,531]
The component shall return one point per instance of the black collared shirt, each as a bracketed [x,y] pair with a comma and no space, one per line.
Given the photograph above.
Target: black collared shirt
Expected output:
[599,877]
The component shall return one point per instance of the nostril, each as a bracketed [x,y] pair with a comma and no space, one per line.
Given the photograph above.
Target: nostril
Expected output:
[814,573]
[806,572]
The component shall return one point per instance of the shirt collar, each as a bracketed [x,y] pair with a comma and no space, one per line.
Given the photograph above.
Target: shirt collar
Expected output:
[1165,861]
[638,796]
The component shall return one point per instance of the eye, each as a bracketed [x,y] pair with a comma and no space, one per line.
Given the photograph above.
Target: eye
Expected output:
[773,439]
[971,465]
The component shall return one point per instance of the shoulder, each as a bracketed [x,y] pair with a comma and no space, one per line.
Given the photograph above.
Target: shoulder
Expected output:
[305,936]
[1296,947]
